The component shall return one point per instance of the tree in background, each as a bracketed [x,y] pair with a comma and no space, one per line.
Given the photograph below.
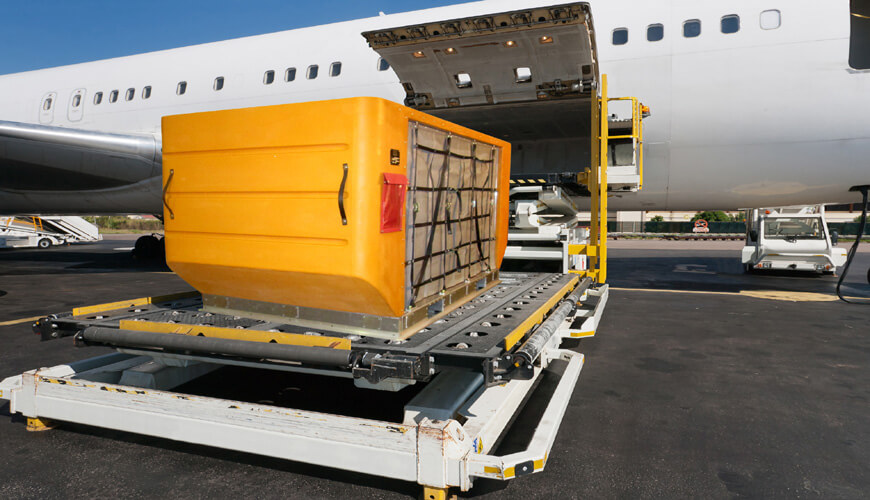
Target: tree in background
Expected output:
[713,216]
[657,218]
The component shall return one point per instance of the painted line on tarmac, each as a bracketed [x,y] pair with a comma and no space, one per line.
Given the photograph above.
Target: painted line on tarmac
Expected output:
[753,294]
[19,321]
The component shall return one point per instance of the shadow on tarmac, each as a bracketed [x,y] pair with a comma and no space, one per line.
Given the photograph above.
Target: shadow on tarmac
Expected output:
[73,260]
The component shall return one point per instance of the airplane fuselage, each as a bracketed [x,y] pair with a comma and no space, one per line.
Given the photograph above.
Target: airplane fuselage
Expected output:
[764,116]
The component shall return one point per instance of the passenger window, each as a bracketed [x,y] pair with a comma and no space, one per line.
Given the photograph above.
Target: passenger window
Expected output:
[77,101]
[383,65]
[655,32]
[113,96]
[269,77]
[859,44]
[692,28]
[146,92]
[770,19]
[731,24]
[181,88]
[130,94]
[290,74]
[46,105]
[335,69]
[218,83]
[312,72]
[98,98]
[620,36]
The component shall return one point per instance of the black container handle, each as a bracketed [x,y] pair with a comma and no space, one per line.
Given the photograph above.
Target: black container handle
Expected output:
[165,189]
[341,197]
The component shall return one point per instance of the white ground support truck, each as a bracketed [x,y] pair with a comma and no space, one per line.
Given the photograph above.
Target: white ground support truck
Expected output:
[791,238]
[45,231]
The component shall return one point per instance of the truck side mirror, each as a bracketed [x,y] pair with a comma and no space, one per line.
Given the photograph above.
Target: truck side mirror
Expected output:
[753,235]
[835,237]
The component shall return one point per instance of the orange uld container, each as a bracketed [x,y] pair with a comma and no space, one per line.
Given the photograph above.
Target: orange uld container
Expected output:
[252,204]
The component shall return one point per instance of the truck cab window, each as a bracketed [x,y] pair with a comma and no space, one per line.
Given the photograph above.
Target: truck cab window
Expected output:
[859,41]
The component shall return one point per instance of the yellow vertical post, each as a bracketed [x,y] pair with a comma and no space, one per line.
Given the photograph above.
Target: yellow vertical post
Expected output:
[592,184]
[602,185]
[639,132]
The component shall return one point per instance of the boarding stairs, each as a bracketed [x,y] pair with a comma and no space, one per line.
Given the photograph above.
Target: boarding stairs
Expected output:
[26,231]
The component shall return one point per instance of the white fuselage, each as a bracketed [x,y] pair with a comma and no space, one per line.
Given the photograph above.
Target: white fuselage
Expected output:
[760,117]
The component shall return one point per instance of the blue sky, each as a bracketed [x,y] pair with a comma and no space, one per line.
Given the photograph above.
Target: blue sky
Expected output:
[37,34]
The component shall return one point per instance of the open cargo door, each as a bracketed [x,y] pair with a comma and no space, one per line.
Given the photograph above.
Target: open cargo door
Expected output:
[528,77]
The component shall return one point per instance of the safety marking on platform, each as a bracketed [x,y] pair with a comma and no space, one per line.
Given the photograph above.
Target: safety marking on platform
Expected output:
[786,296]
[19,321]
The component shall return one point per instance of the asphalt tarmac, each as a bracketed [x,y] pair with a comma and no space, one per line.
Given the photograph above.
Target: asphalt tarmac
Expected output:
[703,382]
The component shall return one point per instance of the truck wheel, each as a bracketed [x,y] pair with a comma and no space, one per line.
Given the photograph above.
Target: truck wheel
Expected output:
[868,275]
[44,243]
[147,248]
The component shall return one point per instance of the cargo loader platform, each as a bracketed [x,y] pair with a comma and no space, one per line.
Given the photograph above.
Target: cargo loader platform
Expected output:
[481,335]
[479,363]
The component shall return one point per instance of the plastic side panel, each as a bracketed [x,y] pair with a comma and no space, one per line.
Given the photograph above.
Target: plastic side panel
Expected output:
[254,194]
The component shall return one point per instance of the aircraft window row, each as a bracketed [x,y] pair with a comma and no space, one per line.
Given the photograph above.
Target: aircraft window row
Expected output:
[310,73]
[268,78]
[113,96]
[769,19]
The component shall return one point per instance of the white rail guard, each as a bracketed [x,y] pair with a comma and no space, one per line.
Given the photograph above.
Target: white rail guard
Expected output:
[434,453]
[534,458]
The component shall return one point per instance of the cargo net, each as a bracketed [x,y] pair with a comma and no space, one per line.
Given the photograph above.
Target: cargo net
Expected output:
[451,204]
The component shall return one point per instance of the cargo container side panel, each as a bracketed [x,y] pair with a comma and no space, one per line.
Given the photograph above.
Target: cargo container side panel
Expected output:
[380,126]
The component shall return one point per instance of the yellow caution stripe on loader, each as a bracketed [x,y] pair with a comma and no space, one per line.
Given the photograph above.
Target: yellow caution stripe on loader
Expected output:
[143,301]
[217,332]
